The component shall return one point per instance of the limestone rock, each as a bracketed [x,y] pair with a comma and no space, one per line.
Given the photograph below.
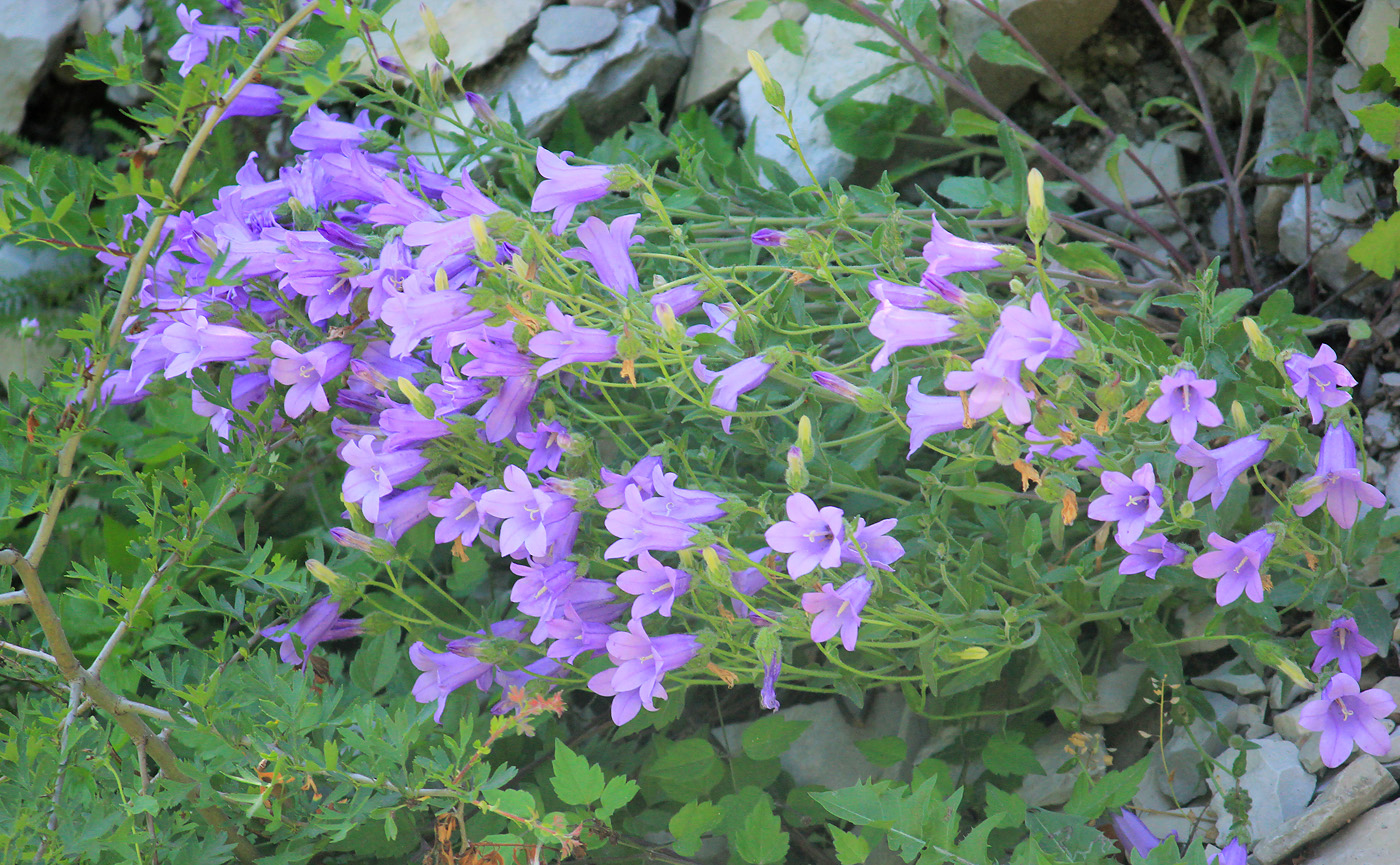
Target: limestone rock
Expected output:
[1233,678]
[1279,787]
[1355,789]
[1117,690]
[722,45]
[1052,750]
[1183,779]
[1371,839]
[1370,32]
[567,29]
[1320,235]
[30,44]
[1194,624]
[1382,428]
[476,30]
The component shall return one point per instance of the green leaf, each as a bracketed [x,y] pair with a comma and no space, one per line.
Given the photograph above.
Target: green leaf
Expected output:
[761,839]
[616,794]
[692,821]
[966,123]
[1110,792]
[1392,54]
[684,770]
[1379,249]
[836,9]
[788,33]
[1006,755]
[967,191]
[868,129]
[1061,658]
[1382,122]
[885,751]
[375,665]
[851,849]
[576,781]
[771,736]
[1086,258]
[999,49]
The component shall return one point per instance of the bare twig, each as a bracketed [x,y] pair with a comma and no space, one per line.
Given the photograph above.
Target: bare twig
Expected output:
[9,599]
[29,653]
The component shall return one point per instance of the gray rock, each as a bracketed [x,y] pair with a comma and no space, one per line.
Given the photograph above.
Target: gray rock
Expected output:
[1233,678]
[1183,779]
[1284,693]
[826,754]
[1286,725]
[1370,33]
[1355,789]
[722,44]
[1118,689]
[1391,685]
[1193,624]
[1164,160]
[476,31]
[1370,839]
[1317,234]
[1283,120]
[1382,428]
[553,65]
[567,29]
[1279,787]
[1052,751]
[30,44]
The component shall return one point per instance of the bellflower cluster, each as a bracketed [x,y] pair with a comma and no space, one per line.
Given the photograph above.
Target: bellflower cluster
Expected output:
[1185,402]
[1238,565]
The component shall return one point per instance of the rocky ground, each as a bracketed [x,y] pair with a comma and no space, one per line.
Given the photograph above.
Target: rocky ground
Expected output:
[602,56]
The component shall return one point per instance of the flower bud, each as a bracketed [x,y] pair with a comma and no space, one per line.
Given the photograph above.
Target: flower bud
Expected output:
[416,398]
[1038,215]
[302,219]
[1238,419]
[796,474]
[1263,348]
[335,582]
[482,109]
[379,550]
[485,247]
[1110,396]
[306,51]
[971,653]
[1011,258]
[804,437]
[436,41]
[716,571]
[376,141]
[772,90]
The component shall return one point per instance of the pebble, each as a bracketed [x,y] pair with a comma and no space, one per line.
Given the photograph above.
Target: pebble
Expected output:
[1381,427]
[566,29]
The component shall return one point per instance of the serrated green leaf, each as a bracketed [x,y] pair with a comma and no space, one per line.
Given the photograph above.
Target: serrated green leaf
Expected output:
[1379,249]
[789,35]
[617,793]
[1061,658]
[375,665]
[690,823]
[885,751]
[684,770]
[851,849]
[575,780]
[1006,755]
[770,736]
[761,839]
[999,49]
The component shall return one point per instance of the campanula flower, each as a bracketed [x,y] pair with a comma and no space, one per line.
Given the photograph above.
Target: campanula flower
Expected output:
[995,383]
[642,661]
[656,586]
[639,528]
[946,254]
[193,46]
[402,511]
[547,445]
[813,537]
[1217,469]
[443,673]
[566,186]
[902,296]
[1033,335]
[321,622]
[1234,853]
[733,380]
[1150,554]
[546,590]
[900,328]
[373,473]
[1342,642]
[1237,565]
[837,610]
[254,100]
[307,373]
[1347,716]
[1084,453]
[724,321]
[1337,481]
[930,414]
[605,247]
[768,237]
[680,300]
[568,343]
[1134,833]
[1135,502]
[611,496]
[195,342]
[768,693]
[1185,401]
[1319,380]
[871,544]
[532,516]
[460,513]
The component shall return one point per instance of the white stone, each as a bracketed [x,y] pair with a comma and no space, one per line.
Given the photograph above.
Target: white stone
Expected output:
[476,30]
[1052,751]
[826,754]
[1183,779]
[1233,678]
[1325,238]
[1370,32]
[1117,691]
[130,18]
[1279,787]
[722,44]
[1193,625]
[1356,788]
[1371,839]
[1163,159]
[552,65]
[1381,428]
[1348,77]
[29,45]
[567,29]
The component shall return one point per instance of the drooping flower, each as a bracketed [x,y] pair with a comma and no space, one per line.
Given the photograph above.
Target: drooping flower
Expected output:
[1033,335]
[656,586]
[307,373]
[568,344]
[732,381]
[1134,502]
[639,528]
[321,622]
[930,414]
[1134,833]
[1237,565]
[1234,853]
[373,473]
[443,673]
[1217,469]
[547,444]
[566,186]
[837,610]
[768,693]
[901,328]
[1319,380]
[1185,401]
[946,254]
[194,341]
[545,591]
[1150,554]
[605,247]
[460,514]
[642,661]
[812,536]
[1084,453]
[1347,716]
[254,100]
[1342,642]
[994,383]
[768,237]
[193,47]
[612,495]
[1337,481]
